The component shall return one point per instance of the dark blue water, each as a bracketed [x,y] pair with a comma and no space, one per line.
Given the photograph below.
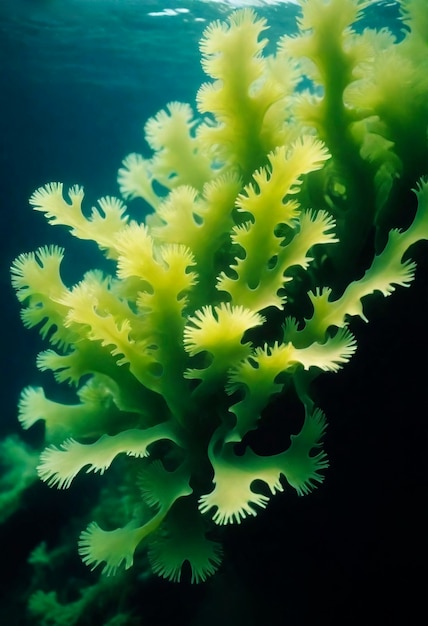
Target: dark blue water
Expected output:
[78,79]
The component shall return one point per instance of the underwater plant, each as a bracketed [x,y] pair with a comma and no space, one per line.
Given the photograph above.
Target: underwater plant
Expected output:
[239,287]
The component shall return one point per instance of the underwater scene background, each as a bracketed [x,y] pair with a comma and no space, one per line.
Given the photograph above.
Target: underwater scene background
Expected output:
[78,80]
